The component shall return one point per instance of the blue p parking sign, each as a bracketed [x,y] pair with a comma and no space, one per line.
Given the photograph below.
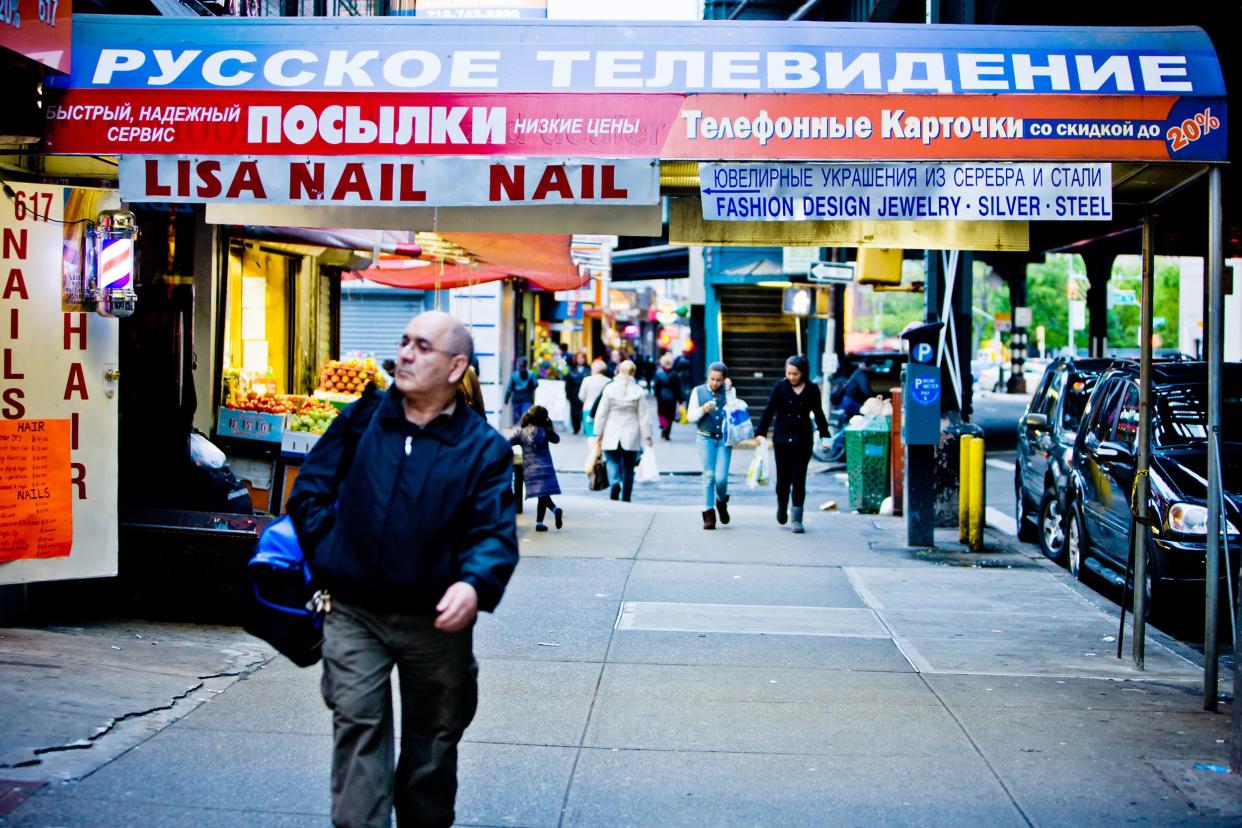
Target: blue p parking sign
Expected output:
[923,352]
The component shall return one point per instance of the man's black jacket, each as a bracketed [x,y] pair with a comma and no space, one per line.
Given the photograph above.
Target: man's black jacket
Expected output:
[417,510]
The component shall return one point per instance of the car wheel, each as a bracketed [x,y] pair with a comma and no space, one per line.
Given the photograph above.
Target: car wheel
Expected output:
[1158,592]
[1026,527]
[1075,545]
[1052,527]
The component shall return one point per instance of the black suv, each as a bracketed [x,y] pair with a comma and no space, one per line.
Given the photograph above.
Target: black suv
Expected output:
[1046,435]
[1102,476]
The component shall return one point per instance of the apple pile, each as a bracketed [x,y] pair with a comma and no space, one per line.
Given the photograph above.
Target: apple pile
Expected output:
[313,417]
[262,403]
[349,376]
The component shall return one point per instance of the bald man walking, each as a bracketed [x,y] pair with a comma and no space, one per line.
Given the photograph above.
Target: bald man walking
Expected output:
[406,509]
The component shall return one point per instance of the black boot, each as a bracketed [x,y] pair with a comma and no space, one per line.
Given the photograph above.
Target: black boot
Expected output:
[709,519]
[781,514]
[722,507]
[615,493]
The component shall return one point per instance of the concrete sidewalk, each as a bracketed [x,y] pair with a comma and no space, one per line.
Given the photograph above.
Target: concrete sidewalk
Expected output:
[641,671]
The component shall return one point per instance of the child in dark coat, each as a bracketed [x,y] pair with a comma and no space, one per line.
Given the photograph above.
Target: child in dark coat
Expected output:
[535,434]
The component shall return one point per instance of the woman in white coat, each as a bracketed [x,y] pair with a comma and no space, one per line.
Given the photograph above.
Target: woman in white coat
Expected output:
[589,391]
[622,426]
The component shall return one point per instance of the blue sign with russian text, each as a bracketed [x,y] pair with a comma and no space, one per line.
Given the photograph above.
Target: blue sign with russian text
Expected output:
[415,54]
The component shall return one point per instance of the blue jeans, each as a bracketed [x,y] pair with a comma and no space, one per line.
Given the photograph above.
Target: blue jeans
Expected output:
[714,458]
[621,465]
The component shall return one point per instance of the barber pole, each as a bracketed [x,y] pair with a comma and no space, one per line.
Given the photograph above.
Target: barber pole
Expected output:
[116,264]
[114,290]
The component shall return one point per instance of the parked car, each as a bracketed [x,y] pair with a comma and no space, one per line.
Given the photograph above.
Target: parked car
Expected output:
[1046,434]
[1103,470]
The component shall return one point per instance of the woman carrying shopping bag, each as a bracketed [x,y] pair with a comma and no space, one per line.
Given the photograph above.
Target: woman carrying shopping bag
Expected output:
[793,407]
[622,426]
[535,435]
[708,409]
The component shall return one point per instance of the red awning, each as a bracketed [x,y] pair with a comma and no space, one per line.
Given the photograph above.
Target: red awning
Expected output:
[541,259]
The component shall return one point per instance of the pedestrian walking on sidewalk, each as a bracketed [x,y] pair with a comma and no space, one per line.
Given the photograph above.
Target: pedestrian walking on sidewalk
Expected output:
[535,435]
[681,367]
[622,427]
[708,403]
[579,370]
[589,393]
[667,395]
[521,389]
[794,406]
[411,529]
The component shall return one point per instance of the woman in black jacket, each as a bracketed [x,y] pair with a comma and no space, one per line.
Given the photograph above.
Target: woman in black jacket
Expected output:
[579,370]
[792,408]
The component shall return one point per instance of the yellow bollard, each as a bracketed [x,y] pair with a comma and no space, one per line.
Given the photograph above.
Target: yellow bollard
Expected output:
[963,488]
[976,494]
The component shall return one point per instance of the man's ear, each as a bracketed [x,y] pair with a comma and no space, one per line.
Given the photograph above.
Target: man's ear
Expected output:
[460,364]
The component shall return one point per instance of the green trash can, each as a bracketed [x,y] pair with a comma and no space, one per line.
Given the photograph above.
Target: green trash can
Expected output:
[866,461]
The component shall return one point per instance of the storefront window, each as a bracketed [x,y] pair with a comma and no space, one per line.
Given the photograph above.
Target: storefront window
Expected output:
[256,350]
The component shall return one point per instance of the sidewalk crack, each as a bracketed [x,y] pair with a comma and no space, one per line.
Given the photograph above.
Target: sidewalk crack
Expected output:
[89,741]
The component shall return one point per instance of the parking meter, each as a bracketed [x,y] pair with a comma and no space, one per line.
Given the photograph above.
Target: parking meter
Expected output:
[920,432]
[920,398]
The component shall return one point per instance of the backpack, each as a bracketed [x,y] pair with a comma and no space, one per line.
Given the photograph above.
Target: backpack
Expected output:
[283,607]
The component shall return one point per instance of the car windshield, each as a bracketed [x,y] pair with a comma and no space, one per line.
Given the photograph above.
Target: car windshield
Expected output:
[1076,397]
[1181,413]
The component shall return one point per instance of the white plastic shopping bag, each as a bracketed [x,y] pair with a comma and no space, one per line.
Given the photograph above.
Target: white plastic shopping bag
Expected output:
[738,425]
[758,474]
[647,471]
[205,453]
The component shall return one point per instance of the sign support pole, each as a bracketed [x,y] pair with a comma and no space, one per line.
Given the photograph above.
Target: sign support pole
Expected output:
[1139,497]
[1215,349]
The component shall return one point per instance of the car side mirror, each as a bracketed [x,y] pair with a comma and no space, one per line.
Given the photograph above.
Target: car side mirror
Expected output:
[1036,420]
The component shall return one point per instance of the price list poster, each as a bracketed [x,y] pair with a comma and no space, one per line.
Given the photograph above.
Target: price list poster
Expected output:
[36,513]
[58,412]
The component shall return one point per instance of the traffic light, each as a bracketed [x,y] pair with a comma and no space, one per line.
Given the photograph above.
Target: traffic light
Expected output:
[879,266]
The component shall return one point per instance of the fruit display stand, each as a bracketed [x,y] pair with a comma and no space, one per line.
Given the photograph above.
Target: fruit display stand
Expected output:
[264,434]
[304,428]
[238,424]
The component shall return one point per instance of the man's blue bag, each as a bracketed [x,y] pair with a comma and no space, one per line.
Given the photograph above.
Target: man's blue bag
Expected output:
[283,611]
